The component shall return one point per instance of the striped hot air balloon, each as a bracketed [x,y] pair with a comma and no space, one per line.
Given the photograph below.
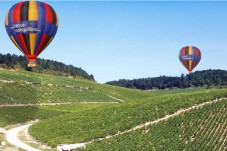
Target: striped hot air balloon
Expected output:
[31,25]
[190,57]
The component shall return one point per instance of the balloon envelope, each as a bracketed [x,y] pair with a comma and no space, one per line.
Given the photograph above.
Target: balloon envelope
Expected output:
[31,25]
[190,56]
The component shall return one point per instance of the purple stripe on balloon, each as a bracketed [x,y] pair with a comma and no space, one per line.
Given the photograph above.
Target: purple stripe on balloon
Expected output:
[41,24]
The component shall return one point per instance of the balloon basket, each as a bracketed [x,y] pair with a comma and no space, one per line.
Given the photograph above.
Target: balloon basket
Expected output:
[31,64]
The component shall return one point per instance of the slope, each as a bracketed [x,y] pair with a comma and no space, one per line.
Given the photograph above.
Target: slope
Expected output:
[26,87]
[74,123]
[198,129]
[26,95]
[91,124]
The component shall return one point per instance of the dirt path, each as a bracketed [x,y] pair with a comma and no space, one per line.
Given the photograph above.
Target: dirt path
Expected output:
[120,100]
[63,103]
[12,137]
[51,104]
[157,120]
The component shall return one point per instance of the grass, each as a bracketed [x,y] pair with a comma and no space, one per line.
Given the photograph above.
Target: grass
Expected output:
[87,125]
[1,138]
[201,129]
[25,87]
[14,115]
[177,91]
[76,123]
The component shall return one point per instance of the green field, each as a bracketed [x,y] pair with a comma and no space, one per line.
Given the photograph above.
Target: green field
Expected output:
[201,129]
[14,115]
[75,123]
[28,87]
[101,122]
[177,91]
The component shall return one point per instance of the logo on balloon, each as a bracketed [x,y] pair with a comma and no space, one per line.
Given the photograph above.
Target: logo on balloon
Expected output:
[24,28]
[187,57]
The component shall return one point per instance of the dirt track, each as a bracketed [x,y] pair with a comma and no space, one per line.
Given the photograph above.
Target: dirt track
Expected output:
[63,103]
[11,137]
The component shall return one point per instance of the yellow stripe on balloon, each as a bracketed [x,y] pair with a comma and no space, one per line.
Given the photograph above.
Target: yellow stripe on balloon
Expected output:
[190,64]
[32,38]
[32,16]
[14,41]
[6,20]
[33,11]
[56,19]
[190,50]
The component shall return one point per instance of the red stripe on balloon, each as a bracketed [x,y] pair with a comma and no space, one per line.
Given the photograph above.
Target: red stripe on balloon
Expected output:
[41,45]
[183,51]
[186,64]
[16,12]
[197,52]
[22,42]
[31,58]
[49,14]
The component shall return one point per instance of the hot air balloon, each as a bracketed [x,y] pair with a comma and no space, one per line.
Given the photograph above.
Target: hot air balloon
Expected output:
[31,25]
[190,57]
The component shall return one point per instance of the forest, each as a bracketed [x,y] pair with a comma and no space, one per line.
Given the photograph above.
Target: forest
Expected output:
[43,66]
[208,78]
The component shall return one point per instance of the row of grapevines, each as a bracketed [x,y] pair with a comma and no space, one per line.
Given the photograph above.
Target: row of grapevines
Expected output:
[39,88]
[102,121]
[20,114]
[201,129]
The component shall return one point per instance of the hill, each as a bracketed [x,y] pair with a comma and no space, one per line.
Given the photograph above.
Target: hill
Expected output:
[196,79]
[23,87]
[96,112]
[103,122]
[202,129]
[44,66]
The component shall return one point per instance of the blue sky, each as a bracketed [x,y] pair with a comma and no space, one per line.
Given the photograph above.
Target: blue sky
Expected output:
[115,40]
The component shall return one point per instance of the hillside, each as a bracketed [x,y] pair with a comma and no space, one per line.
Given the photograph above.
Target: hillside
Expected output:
[102,122]
[18,86]
[202,129]
[207,78]
[94,111]
[43,66]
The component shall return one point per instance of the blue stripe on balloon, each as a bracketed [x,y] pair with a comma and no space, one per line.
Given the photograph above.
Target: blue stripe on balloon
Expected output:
[53,30]
[47,28]
[41,24]
[193,55]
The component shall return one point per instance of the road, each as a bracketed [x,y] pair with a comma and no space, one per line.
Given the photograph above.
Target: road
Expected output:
[11,137]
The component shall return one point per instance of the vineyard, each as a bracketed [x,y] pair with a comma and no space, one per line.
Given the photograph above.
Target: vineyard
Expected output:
[14,115]
[75,123]
[177,91]
[40,88]
[200,129]
[91,124]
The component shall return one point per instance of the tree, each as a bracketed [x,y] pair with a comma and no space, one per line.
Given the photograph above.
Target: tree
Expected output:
[44,66]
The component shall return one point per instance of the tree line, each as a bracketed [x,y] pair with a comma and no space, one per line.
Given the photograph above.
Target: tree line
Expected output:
[43,66]
[196,79]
